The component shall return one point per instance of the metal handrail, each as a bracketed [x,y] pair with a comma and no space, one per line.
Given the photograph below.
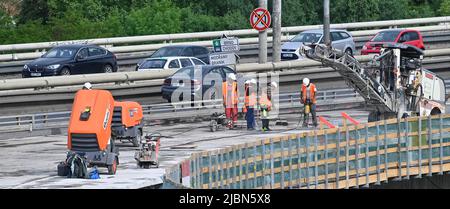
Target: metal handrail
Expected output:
[215,34]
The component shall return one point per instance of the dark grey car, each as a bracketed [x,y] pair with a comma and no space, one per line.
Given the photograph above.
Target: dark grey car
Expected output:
[72,59]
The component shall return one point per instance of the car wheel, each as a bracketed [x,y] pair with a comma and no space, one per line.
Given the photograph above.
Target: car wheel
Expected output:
[107,69]
[65,71]
[349,52]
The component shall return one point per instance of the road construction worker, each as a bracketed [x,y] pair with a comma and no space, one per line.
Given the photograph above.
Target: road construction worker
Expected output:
[230,99]
[308,99]
[250,103]
[265,107]
[87,86]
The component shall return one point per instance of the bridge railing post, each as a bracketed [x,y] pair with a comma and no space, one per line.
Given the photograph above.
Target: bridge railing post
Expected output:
[386,159]
[419,124]
[357,153]
[347,165]
[441,149]
[299,162]
[399,150]
[367,156]
[326,159]
[316,167]
[290,162]
[430,149]
[282,163]
[338,156]
[378,153]
[272,176]
[408,149]
[308,183]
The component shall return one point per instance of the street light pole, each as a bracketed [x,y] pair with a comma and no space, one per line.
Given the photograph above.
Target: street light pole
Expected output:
[326,22]
[276,53]
[263,38]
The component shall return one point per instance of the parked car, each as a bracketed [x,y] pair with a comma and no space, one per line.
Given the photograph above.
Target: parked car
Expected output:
[200,77]
[166,63]
[72,59]
[341,40]
[404,36]
[199,52]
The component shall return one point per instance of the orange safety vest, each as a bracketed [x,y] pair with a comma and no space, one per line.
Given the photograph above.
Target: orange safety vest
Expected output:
[234,97]
[250,98]
[312,93]
[264,101]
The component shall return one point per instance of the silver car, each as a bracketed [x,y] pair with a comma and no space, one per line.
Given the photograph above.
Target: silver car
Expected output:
[341,40]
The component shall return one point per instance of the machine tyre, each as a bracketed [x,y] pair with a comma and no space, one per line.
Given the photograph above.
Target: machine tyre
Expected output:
[137,139]
[213,126]
[112,168]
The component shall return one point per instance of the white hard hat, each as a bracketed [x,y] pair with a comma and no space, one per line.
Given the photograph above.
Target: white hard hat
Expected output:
[232,76]
[247,82]
[87,85]
[253,81]
[274,84]
[306,81]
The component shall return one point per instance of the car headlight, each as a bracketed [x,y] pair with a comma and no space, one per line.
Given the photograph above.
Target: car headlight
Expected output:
[26,67]
[52,67]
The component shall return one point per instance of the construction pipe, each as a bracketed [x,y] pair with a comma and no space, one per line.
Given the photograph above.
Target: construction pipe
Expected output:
[214,34]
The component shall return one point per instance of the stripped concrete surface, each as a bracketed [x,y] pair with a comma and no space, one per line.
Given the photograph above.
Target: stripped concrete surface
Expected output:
[31,162]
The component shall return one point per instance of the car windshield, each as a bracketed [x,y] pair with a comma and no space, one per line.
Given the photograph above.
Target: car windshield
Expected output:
[386,36]
[168,52]
[61,53]
[307,37]
[153,64]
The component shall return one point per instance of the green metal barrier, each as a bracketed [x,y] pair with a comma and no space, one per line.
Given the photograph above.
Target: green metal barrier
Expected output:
[346,157]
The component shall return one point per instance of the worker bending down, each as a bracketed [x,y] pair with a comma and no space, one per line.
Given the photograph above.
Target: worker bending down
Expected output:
[230,99]
[308,99]
[250,103]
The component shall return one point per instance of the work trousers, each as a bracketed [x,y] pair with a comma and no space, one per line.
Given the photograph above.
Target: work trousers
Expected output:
[250,117]
[265,124]
[306,116]
[232,113]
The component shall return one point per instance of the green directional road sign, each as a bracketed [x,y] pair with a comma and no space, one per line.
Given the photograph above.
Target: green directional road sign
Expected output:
[230,44]
[217,45]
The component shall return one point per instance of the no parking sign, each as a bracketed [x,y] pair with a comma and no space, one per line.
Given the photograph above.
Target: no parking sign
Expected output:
[260,19]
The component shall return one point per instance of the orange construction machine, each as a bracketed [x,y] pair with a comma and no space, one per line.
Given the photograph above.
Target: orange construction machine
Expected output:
[127,122]
[95,123]
[89,133]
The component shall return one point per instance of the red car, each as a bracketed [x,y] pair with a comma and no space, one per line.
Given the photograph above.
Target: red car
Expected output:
[405,36]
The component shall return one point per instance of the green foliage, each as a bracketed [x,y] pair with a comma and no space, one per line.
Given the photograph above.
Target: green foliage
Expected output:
[53,20]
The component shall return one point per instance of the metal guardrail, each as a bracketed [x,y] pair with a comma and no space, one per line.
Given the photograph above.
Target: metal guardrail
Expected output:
[168,38]
[347,157]
[45,120]
[215,34]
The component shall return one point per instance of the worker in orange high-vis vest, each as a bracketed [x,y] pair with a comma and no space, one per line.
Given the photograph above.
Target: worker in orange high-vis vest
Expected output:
[250,103]
[308,98]
[230,99]
[265,105]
